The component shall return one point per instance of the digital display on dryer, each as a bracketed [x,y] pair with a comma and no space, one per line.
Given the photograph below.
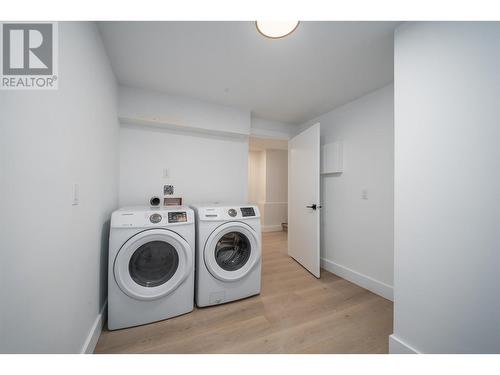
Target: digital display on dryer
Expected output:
[177,217]
[247,211]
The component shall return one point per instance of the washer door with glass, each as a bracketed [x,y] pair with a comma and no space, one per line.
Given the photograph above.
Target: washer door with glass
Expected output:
[232,251]
[152,264]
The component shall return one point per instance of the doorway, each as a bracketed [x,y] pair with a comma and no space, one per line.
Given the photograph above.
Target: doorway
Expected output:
[268,181]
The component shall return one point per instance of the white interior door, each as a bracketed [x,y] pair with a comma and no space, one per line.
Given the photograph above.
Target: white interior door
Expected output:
[303,198]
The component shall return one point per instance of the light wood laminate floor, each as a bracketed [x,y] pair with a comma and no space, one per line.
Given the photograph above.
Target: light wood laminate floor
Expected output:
[295,313]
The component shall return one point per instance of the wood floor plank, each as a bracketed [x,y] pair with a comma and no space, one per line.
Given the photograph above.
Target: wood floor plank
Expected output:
[295,313]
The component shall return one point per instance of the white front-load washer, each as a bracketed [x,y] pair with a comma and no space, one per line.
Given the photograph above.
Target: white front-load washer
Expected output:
[151,265]
[228,253]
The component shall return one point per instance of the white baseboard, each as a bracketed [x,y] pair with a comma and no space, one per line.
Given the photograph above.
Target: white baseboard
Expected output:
[95,331]
[357,278]
[396,346]
[271,228]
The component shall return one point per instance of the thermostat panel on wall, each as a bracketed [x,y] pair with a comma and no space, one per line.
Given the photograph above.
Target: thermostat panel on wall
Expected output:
[331,158]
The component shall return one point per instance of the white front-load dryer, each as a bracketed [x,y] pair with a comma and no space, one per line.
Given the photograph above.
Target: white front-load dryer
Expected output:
[151,265]
[228,253]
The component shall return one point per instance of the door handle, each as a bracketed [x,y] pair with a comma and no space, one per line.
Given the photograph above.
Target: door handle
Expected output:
[314,206]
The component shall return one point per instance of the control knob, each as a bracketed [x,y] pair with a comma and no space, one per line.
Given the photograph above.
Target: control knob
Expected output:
[155,218]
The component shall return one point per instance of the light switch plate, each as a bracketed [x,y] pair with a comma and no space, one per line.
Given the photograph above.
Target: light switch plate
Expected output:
[364,194]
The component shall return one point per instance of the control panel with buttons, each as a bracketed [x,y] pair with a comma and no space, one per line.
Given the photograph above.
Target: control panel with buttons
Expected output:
[247,211]
[229,212]
[177,217]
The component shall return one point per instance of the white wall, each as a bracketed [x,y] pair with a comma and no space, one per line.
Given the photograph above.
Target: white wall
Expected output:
[257,180]
[202,168]
[203,146]
[54,255]
[268,186]
[357,233]
[447,188]
[276,202]
[257,176]
[277,175]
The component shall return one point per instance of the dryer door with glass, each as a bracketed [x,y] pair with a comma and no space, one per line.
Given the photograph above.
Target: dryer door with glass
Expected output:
[152,264]
[232,251]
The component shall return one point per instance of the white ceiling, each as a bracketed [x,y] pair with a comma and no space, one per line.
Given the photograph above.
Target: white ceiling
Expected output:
[320,66]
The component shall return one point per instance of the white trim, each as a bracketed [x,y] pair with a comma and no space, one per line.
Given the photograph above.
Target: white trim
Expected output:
[272,228]
[397,346]
[357,278]
[91,340]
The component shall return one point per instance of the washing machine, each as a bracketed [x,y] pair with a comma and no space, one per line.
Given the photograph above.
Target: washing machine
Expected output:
[228,253]
[151,265]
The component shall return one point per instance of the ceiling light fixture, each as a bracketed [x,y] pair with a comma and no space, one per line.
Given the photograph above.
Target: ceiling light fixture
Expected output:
[276,29]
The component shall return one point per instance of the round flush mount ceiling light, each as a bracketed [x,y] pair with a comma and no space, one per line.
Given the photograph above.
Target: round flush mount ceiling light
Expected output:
[276,29]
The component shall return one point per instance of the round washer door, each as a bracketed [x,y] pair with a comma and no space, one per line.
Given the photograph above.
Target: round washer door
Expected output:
[232,251]
[152,264]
